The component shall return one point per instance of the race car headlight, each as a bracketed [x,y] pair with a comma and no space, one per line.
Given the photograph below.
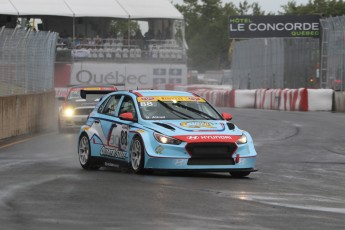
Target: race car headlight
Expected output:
[68,112]
[166,140]
[242,140]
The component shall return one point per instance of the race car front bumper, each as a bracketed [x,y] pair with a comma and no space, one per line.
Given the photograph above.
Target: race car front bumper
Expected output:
[169,163]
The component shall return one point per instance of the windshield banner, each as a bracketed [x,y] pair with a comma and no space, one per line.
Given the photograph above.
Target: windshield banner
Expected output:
[170,98]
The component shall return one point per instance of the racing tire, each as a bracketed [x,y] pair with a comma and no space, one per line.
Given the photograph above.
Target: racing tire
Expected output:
[137,156]
[84,154]
[239,174]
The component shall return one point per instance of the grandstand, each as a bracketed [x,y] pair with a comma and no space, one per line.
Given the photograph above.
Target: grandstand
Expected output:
[150,52]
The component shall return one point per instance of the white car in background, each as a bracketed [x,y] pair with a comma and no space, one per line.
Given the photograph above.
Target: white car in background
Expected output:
[76,108]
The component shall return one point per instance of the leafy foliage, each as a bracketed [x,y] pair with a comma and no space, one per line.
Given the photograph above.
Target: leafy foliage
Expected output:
[206,31]
[325,8]
[207,26]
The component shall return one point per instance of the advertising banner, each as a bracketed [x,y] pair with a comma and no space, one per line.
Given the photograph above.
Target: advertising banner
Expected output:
[132,75]
[274,26]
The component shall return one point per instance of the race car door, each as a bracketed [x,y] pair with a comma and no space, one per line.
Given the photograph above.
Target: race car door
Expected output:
[111,129]
[116,130]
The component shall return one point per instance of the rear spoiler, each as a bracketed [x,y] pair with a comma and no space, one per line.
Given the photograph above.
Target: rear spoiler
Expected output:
[83,92]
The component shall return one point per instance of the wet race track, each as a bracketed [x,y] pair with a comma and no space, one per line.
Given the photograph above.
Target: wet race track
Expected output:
[300,183]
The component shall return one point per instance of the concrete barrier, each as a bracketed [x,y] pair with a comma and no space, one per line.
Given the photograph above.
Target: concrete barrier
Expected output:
[302,99]
[339,101]
[244,98]
[25,114]
[320,99]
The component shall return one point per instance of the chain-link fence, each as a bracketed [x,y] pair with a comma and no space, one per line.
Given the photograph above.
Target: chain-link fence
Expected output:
[26,61]
[333,53]
[275,63]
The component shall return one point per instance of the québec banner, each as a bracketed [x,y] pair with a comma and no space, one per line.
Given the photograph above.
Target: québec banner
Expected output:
[274,26]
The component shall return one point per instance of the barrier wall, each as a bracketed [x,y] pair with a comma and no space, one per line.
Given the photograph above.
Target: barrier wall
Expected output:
[339,101]
[302,99]
[25,114]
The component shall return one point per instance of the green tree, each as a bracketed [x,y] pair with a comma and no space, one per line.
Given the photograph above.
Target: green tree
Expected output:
[325,8]
[243,8]
[207,33]
[256,8]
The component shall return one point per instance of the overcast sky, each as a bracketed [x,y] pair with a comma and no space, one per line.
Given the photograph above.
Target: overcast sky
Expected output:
[266,5]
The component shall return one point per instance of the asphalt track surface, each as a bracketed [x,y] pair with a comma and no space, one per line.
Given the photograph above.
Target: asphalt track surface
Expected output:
[300,183]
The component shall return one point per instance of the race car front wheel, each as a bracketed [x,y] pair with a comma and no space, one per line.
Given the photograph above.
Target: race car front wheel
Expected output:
[84,153]
[137,155]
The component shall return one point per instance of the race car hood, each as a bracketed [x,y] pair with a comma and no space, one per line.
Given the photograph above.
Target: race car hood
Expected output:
[181,127]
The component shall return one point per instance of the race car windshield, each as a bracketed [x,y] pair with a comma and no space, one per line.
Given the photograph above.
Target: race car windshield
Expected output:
[177,110]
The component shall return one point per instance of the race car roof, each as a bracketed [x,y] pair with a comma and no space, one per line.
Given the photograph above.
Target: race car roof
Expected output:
[126,9]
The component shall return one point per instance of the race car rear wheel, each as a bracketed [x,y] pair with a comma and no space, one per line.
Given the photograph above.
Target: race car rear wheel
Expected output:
[84,153]
[137,155]
[239,174]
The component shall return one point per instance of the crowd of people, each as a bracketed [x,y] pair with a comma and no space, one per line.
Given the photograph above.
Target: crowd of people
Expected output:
[151,45]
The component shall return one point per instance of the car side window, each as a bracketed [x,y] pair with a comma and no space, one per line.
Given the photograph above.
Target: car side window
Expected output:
[110,105]
[128,106]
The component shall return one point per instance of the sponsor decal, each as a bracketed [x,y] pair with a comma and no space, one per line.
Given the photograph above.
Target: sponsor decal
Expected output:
[157,117]
[193,137]
[130,74]
[170,98]
[147,98]
[159,149]
[208,138]
[87,77]
[198,124]
[180,162]
[109,152]
[118,136]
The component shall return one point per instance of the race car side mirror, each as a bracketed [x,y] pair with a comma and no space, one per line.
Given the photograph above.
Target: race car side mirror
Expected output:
[227,116]
[127,116]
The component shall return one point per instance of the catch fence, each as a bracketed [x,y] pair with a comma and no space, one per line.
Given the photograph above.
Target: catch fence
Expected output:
[275,63]
[333,53]
[26,61]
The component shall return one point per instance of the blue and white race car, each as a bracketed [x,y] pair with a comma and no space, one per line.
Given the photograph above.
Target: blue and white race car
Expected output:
[150,130]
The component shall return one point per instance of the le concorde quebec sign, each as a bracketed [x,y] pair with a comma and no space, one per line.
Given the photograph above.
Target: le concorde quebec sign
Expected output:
[274,26]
